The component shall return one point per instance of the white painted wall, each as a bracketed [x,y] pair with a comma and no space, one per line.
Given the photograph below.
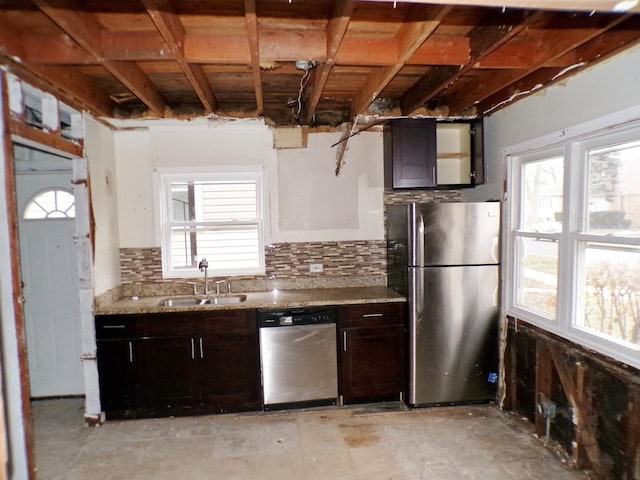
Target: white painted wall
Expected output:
[100,154]
[307,202]
[603,89]
[315,205]
[134,188]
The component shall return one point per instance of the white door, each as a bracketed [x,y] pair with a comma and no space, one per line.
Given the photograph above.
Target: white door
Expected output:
[49,274]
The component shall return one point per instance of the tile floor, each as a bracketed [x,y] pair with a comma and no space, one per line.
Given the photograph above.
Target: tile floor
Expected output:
[385,442]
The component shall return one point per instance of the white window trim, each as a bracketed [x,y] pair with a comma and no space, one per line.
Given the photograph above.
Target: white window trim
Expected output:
[162,179]
[574,141]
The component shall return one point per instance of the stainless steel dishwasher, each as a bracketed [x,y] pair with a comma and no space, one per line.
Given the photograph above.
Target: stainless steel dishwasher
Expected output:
[298,356]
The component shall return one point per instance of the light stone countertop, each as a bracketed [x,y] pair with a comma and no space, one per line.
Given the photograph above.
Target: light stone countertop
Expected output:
[271,299]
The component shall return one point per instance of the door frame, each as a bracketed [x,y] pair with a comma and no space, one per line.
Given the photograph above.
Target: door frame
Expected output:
[20,435]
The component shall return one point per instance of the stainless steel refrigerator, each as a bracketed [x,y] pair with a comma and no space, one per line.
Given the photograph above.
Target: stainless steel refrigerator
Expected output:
[444,257]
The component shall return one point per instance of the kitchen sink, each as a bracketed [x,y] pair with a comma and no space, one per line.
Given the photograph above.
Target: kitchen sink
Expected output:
[183,302]
[227,299]
[195,301]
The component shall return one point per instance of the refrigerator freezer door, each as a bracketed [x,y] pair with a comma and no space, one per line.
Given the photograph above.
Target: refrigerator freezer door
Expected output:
[454,334]
[454,233]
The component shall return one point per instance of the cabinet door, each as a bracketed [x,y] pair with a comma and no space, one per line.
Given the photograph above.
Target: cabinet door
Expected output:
[118,378]
[372,363]
[230,373]
[168,372]
[410,153]
[477,158]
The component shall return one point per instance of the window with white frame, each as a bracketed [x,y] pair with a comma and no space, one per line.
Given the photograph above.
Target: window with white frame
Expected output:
[217,215]
[574,239]
[536,234]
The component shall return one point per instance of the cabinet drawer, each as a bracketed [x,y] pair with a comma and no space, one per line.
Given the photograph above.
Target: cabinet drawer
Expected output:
[115,326]
[227,322]
[165,325]
[372,314]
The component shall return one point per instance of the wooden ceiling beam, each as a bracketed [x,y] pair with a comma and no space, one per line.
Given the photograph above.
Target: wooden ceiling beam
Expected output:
[336,30]
[483,41]
[570,5]
[85,29]
[233,49]
[523,87]
[410,36]
[436,50]
[554,43]
[75,89]
[599,47]
[170,27]
[251,18]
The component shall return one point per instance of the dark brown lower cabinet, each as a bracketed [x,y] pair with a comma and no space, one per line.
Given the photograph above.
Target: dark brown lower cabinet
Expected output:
[168,371]
[118,378]
[230,373]
[153,365]
[372,352]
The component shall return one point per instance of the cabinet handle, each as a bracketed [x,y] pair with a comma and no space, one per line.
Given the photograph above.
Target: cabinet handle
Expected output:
[344,340]
[130,351]
[367,315]
[201,348]
[113,326]
[193,349]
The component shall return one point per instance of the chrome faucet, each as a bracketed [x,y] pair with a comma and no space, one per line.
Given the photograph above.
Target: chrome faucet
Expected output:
[204,267]
[226,283]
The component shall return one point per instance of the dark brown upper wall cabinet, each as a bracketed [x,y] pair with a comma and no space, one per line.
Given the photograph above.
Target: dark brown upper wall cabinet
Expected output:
[425,153]
[410,153]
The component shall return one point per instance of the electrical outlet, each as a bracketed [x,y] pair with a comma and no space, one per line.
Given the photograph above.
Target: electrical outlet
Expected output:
[316,268]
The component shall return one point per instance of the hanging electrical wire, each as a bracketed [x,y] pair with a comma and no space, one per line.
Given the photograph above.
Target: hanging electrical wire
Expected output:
[303,83]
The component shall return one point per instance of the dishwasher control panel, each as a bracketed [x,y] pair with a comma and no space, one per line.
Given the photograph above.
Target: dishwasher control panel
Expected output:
[297,316]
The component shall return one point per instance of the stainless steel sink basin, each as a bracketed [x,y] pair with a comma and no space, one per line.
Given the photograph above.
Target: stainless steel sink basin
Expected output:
[195,301]
[183,302]
[227,299]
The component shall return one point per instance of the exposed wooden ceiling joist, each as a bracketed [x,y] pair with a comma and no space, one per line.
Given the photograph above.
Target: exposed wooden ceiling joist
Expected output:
[336,30]
[82,27]
[563,42]
[410,37]
[254,48]
[72,87]
[130,58]
[170,27]
[567,5]
[483,41]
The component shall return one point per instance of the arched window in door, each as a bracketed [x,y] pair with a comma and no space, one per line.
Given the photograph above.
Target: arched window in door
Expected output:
[54,203]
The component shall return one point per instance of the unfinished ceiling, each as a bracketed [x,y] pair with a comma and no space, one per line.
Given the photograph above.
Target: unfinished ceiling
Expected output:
[301,62]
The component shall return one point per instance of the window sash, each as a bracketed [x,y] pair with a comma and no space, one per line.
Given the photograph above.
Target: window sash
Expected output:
[232,242]
[576,244]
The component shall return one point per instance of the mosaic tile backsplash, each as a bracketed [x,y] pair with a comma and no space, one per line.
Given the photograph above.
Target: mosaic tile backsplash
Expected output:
[398,197]
[283,261]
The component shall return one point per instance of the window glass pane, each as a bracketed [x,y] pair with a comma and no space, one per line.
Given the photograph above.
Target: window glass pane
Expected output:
[614,190]
[612,291]
[542,195]
[182,245]
[214,201]
[180,205]
[51,204]
[216,216]
[537,277]
[225,247]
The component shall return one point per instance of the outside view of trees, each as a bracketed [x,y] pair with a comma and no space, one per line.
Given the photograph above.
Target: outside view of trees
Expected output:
[612,290]
[609,290]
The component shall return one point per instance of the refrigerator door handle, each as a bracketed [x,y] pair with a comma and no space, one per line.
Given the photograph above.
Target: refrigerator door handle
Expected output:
[419,240]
